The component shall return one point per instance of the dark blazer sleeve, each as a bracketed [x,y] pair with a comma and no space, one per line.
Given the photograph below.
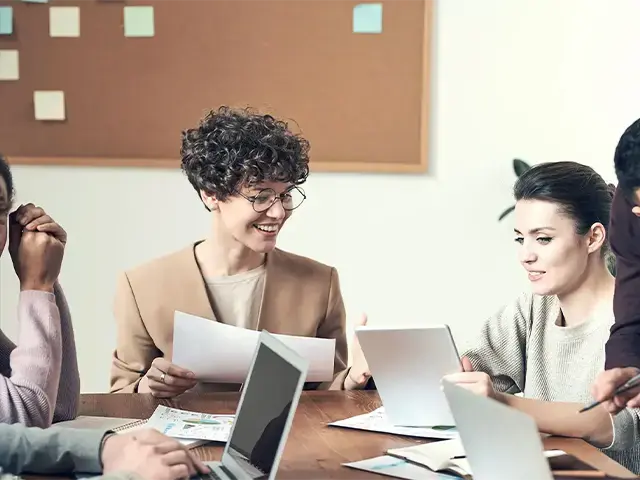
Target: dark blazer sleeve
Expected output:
[623,346]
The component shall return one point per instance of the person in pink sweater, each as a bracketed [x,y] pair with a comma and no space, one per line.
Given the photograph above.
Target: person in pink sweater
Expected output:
[39,379]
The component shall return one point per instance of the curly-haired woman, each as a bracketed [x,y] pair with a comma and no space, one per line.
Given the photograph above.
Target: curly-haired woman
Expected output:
[247,169]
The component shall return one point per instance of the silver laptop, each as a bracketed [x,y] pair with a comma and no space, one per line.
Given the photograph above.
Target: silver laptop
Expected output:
[500,442]
[264,415]
[407,365]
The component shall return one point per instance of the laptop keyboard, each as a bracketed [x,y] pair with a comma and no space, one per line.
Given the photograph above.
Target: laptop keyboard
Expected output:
[207,476]
[212,475]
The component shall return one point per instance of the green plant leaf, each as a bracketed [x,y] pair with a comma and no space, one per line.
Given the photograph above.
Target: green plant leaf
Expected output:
[520,166]
[506,212]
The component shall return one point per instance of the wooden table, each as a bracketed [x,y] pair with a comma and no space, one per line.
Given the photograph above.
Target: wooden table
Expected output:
[314,450]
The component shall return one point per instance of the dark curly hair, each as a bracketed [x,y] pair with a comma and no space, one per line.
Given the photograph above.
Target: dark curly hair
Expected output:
[627,159]
[5,173]
[231,148]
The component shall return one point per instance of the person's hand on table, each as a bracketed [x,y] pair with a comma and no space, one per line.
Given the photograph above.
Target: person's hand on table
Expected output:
[166,380]
[608,381]
[150,455]
[359,373]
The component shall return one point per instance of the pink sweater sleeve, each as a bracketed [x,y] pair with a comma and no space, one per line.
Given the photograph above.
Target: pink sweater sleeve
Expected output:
[29,390]
[68,401]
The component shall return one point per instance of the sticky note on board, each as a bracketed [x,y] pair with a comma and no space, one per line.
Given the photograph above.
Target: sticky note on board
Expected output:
[6,20]
[64,21]
[9,65]
[49,105]
[367,18]
[139,22]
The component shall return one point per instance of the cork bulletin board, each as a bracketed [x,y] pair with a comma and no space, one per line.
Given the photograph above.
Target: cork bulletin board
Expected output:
[359,93]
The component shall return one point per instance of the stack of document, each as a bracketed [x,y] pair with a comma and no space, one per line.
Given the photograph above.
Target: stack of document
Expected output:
[377,421]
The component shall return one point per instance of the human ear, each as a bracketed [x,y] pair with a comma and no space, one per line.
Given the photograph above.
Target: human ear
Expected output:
[209,200]
[596,237]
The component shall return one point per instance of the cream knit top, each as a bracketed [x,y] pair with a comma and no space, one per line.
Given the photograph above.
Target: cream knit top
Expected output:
[525,348]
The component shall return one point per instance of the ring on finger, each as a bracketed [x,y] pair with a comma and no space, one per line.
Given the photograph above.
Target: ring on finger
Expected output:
[162,377]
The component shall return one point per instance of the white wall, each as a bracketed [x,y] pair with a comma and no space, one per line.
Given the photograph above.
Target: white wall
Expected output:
[542,80]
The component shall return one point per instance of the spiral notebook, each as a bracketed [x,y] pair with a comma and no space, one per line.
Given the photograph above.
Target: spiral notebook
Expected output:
[192,429]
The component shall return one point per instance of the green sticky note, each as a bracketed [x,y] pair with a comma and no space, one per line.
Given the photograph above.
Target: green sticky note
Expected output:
[6,20]
[138,22]
[367,18]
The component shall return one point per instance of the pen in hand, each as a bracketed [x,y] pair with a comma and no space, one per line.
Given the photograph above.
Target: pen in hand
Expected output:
[628,385]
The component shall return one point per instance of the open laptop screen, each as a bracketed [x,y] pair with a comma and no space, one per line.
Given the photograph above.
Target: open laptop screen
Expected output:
[261,418]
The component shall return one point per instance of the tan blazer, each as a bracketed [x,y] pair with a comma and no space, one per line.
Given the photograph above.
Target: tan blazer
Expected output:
[301,297]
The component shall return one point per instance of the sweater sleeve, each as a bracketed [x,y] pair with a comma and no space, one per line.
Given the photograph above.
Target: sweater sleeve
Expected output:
[626,430]
[68,399]
[51,450]
[29,390]
[500,348]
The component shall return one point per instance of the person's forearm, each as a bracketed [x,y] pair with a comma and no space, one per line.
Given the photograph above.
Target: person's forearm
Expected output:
[51,450]
[29,394]
[68,400]
[562,419]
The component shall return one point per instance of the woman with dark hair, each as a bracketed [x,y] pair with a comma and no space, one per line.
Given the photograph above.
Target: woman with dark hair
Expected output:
[548,344]
[246,169]
[39,380]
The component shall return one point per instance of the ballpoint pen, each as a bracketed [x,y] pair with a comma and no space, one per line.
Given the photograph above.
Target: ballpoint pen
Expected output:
[628,385]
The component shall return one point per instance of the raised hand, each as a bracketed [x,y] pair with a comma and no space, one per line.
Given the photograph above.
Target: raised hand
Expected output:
[36,246]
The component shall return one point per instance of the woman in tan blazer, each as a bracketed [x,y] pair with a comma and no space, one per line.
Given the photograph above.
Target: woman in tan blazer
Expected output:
[246,169]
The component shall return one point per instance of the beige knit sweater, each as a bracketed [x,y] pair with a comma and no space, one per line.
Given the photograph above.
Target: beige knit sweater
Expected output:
[524,348]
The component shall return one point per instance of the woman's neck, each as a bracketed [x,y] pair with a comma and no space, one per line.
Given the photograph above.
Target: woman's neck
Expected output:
[218,259]
[593,294]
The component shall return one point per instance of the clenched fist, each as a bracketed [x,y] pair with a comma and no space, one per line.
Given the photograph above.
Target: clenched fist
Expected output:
[36,245]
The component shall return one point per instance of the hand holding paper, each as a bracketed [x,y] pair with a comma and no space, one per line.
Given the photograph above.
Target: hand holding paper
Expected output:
[216,352]
[166,380]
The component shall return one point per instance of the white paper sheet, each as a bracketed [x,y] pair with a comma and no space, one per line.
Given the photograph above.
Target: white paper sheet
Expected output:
[216,352]
[397,468]
[377,421]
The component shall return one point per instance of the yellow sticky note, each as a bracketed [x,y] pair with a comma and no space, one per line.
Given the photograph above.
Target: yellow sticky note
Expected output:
[49,105]
[9,65]
[64,21]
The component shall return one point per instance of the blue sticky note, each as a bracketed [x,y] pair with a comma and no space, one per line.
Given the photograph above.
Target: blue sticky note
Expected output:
[6,20]
[367,18]
[139,22]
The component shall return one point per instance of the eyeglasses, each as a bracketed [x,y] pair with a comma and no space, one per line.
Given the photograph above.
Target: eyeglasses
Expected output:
[264,199]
